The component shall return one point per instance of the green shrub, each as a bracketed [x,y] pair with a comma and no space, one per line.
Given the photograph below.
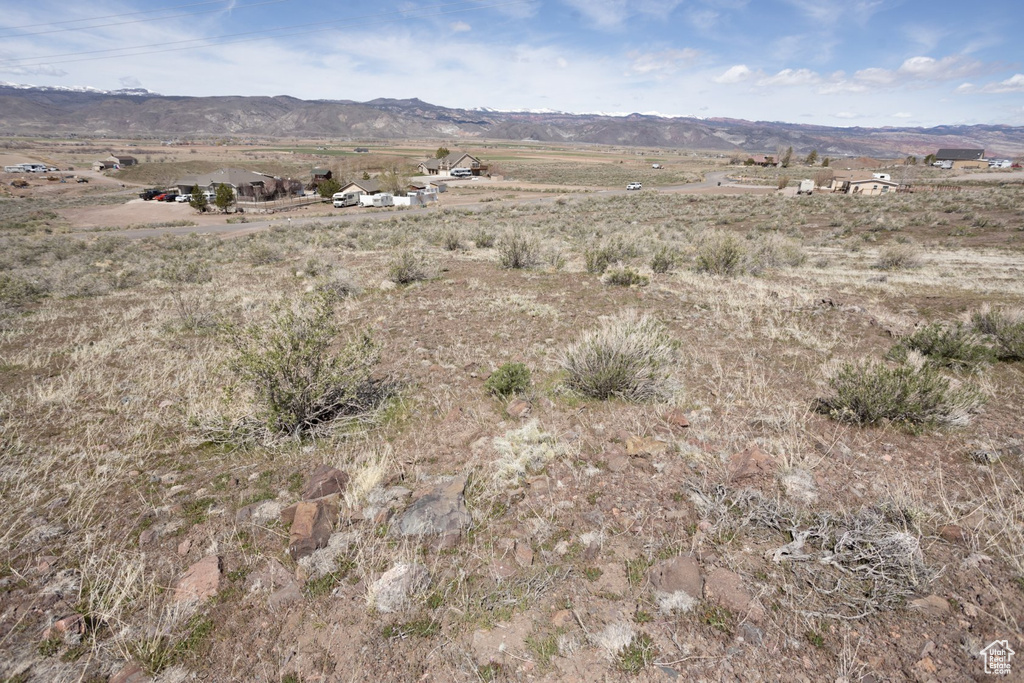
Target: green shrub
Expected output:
[870,392]
[663,260]
[597,260]
[516,250]
[1006,327]
[408,266]
[263,255]
[625,277]
[451,240]
[16,292]
[638,655]
[951,346]
[483,239]
[628,357]
[721,254]
[510,378]
[298,379]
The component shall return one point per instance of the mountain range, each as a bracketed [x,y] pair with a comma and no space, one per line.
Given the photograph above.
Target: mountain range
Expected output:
[141,114]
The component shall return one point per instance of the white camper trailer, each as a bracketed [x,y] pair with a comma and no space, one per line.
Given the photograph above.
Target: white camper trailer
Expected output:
[806,187]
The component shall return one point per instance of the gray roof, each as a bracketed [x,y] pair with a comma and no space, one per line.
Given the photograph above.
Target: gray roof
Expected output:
[960,155]
[235,177]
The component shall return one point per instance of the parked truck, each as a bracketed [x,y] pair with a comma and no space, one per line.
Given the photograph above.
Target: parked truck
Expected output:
[806,187]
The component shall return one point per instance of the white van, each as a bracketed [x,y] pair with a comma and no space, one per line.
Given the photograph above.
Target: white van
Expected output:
[461,173]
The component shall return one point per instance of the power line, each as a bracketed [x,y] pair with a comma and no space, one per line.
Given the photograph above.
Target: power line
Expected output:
[398,15]
[137,21]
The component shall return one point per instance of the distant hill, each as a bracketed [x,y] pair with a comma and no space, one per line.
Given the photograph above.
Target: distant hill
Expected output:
[142,114]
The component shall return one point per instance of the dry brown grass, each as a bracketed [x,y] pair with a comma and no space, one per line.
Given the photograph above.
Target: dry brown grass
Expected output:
[110,370]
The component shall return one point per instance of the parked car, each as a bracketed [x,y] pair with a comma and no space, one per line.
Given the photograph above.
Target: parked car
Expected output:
[83,180]
[159,197]
[183,198]
[170,197]
[634,186]
[150,193]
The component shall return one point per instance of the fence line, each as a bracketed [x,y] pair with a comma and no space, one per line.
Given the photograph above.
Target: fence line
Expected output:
[275,204]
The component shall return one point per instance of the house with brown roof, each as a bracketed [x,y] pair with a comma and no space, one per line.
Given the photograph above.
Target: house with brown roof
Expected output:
[454,160]
[371,186]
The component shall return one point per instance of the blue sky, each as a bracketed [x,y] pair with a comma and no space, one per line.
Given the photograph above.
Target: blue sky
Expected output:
[853,63]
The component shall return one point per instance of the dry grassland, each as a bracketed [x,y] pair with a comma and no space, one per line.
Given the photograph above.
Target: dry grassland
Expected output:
[131,436]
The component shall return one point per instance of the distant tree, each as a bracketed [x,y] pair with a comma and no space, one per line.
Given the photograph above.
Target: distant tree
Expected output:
[787,156]
[910,161]
[929,160]
[783,181]
[825,162]
[366,175]
[198,201]
[749,161]
[823,178]
[225,197]
[393,180]
[441,153]
[328,187]
[812,158]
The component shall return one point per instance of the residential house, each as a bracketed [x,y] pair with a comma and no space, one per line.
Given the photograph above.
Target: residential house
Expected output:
[319,176]
[454,160]
[371,186]
[121,160]
[102,165]
[862,183]
[963,158]
[759,160]
[244,183]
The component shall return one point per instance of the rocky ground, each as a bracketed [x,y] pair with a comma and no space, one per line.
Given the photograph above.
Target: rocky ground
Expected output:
[163,527]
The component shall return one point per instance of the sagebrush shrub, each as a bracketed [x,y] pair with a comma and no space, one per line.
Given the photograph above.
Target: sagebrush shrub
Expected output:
[951,346]
[870,392]
[898,257]
[483,239]
[297,376]
[721,253]
[663,260]
[408,266]
[451,240]
[625,277]
[16,291]
[627,356]
[509,379]
[516,250]
[1005,327]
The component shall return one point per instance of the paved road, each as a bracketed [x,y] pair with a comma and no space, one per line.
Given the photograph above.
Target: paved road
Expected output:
[356,214]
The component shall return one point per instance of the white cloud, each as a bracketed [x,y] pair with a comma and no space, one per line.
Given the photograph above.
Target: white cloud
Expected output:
[613,13]
[459,27]
[735,74]
[903,115]
[1014,83]
[788,77]
[875,76]
[663,61]
[945,69]
[845,115]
